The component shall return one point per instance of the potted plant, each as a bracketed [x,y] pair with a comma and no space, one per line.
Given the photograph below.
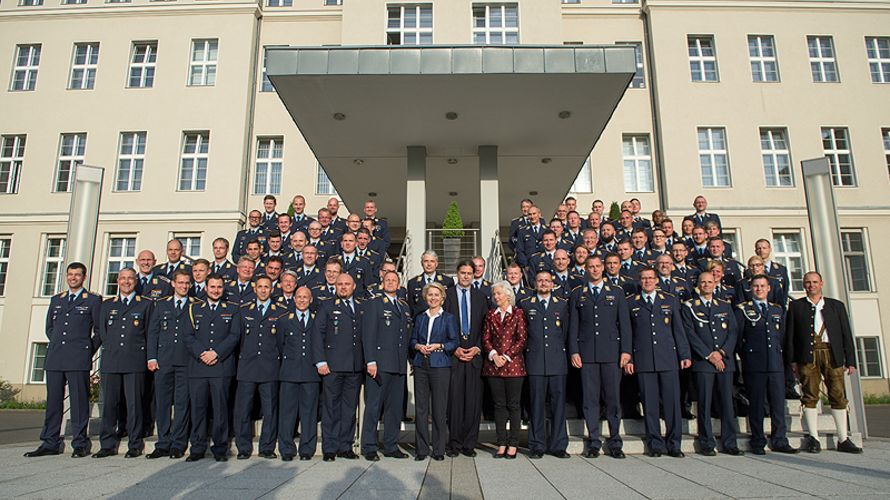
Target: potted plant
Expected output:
[452,232]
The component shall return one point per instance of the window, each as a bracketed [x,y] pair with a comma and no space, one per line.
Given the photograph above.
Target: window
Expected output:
[885,134]
[836,146]
[12,156]
[495,23]
[571,1]
[702,58]
[281,3]
[853,247]
[639,79]
[788,251]
[730,236]
[637,164]
[27,60]
[583,182]
[191,244]
[130,160]
[713,158]
[121,254]
[203,66]
[776,157]
[142,65]
[823,64]
[71,152]
[74,2]
[333,2]
[625,1]
[5,246]
[53,265]
[117,1]
[193,164]
[83,66]
[868,352]
[762,53]
[322,183]
[878,51]
[30,3]
[38,362]
[269,152]
[409,24]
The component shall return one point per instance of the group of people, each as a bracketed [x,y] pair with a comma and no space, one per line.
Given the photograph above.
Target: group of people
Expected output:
[311,310]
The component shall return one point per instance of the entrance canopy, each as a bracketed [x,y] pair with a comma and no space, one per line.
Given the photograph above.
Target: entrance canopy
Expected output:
[360,108]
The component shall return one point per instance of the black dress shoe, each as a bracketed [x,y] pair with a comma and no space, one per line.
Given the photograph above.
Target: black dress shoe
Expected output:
[688,415]
[105,452]
[785,449]
[676,454]
[452,453]
[243,455]
[133,453]
[653,454]
[372,457]
[591,453]
[176,453]
[329,457]
[79,453]
[347,454]
[535,454]
[758,451]
[305,457]
[221,458]
[511,457]
[438,458]
[811,445]
[734,452]
[419,458]
[158,453]
[42,452]
[469,452]
[616,453]
[707,452]
[267,454]
[287,458]
[847,446]
[194,457]
[395,454]
[500,454]
[561,454]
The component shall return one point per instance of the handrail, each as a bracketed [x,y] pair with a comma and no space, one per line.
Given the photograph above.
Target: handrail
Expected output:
[496,263]
[93,373]
[402,258]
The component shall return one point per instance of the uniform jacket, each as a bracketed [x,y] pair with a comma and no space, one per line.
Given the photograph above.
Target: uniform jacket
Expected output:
[659,337]
[123,334]
[244,237]
[546,346]
[163,269]
[676,286]
[233,292]
[259,355]
[216,331]
[155,287]
[167,331]
[761,337]
[386,332]
[298,363]
[710,329]
[415,290]
[337,335]
[70,328]
[599,330]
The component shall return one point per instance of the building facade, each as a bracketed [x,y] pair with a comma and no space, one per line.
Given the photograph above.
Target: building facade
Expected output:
[170,97]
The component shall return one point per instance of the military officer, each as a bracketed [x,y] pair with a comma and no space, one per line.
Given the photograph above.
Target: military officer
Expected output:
[528,240]
[287,298]
[259,360]
[667,282]
[579,258]
[273,247]
[378,244]
[338,223]
[699,248]
[299,381]
[660,349]
[518,223]
[386,330]
[625,227]
[722,291]
[255,254]
[429,260]
[308,273]
[71,320]
[295,250]
[300,219]
[608,239]
[328,289]
[743,288]
[240,290]
[701,215]
[732,271]
[377,290]
[254,231]
[543,260]
[381,226]
[150,284]
[630,268]
[216,325]
[641,252]
[363,249]
[284,229]
[514,277]
[563,282]
[572,234]
[123,324]
[761,338]
[221,264]
[545,362]
[200,271]
[659,244]
[329,232]
[764,249]
[175,260]
[683,267]
[479,281]
[168,360]
[270,216]
[614,274]
[713,231]
[357,267]
[600,346]
[713,332]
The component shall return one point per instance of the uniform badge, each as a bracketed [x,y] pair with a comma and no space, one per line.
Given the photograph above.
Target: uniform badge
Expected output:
[557,323]
[273,330]
[84,295]
[135,322]
[723,325]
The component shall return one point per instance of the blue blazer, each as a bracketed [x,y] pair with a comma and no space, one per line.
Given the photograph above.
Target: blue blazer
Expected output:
[444,332]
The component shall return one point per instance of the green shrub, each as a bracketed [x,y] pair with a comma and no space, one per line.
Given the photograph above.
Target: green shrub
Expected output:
[876,399]
[614,211]
[7,392]
[453,225]
[23,405]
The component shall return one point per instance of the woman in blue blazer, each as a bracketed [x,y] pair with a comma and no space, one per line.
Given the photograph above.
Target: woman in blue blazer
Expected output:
[433,341]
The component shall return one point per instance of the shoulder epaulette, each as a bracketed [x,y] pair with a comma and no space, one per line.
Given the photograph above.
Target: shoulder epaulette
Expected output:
[168,298]
[110,299]
[577,287]
[247,305]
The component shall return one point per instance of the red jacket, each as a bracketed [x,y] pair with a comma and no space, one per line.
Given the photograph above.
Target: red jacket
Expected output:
[507,338]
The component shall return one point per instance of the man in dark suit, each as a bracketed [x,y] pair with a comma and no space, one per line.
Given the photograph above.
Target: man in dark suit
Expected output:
[71,319]
[819,344]
[386,330]
[469,306]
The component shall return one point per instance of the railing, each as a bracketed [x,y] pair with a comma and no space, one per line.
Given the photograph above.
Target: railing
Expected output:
[497,264]
[403,259]
[452,249]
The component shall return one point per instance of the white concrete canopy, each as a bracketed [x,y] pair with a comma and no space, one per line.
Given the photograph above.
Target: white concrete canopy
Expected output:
[360,108]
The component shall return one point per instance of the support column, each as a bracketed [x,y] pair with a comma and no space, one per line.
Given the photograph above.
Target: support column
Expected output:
[415,216]
[489,199]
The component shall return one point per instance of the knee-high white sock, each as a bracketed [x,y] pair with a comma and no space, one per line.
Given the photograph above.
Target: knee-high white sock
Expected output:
[811,421]
[840,421]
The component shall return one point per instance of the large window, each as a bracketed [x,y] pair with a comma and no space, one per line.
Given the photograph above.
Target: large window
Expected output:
[143,60]
[836,147]
[495,23]
[83,66]
[730,235]
[121,254]
[855,250]
[72,148]
[713,157]
[53,265]
[191,244]
[193,163]
[202,70]
[868,352]
[776,157]
[27,61]
[639,79]
[12,157]
[823,64]
[583,182]
[322,183]
[267,176]
[762,54]
[702,58]
[788,251]
[130,161]
[38,362]
[5,247]
[409,24]
[878,51]
[637,164]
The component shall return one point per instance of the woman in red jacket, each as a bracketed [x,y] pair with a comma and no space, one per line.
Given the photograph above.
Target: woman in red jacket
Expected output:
[503,338]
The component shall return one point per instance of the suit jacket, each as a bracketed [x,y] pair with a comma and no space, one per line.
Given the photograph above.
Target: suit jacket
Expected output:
[69,328]
[386,327]
[545,351]
[298,363]
[702,219]
[800,332]
[445,332]
[478,308]
[507,337]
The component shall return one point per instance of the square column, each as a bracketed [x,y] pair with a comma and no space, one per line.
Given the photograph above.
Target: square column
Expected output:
[415,214]
[489,199]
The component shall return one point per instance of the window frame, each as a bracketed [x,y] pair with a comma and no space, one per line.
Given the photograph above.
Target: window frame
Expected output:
[487,30]
[860,353]
[637,158]
[269,163]
[865,254]
[639,79]
[776,153]
[319,173]
[763,61]
[586,170]
[872,44]
[822,60]
[33,362]
[47,261]
[5,253]
[90,66]
[143,66]
[713,154]
[205,63]
[701,60]
[186,239]
[785,257]
[417,30]
[12,166]
[79,143]
[834,155]
[30,70]
[196,184]
[123,260]
[134,159]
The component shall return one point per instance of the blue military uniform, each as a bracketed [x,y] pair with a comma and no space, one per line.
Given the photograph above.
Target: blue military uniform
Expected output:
[310,278]
[547,367]
[776,295]
[168,268]
[381,232]
[676,286]
[227,270]
[375,261]
[153,286]
[299,383]
[703,218]
[198,291]
[269,221]
[300,222]
[235,292]
[360,270]
[541,261]
[245,236]
[629,285]
[415,291]
[732,270]
[528,243]
[324,249]
[516,225]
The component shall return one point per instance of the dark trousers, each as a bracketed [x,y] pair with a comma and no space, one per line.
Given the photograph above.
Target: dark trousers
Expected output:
[172,395]
[762,387]
[541,389]
[464,405]
[339,411]
[574,391]
[430,390]
[148,405]
[661,388]
[506,393]
[706,383]
[601,383]
[132,385]
[298,401]
[630,396]
[79,398]
[212,393]
[244,397]
[383,401]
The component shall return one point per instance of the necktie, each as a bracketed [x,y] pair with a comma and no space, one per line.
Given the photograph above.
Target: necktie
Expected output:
[544,302]
[625,266]
[395,303]
[351,306]
[331,289]
[764,309]
[70,298]
[144,281]
[179,306]
[126,301]
[348,261]
[476,285]
[241,287]
[708,306]
[303,319]
[213,307]
[649,300]
[429,280]
[666,282]
[615,281]
[199,289]
[170,268]
[464,312]
[216,268]
[596,293]
[261,308]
